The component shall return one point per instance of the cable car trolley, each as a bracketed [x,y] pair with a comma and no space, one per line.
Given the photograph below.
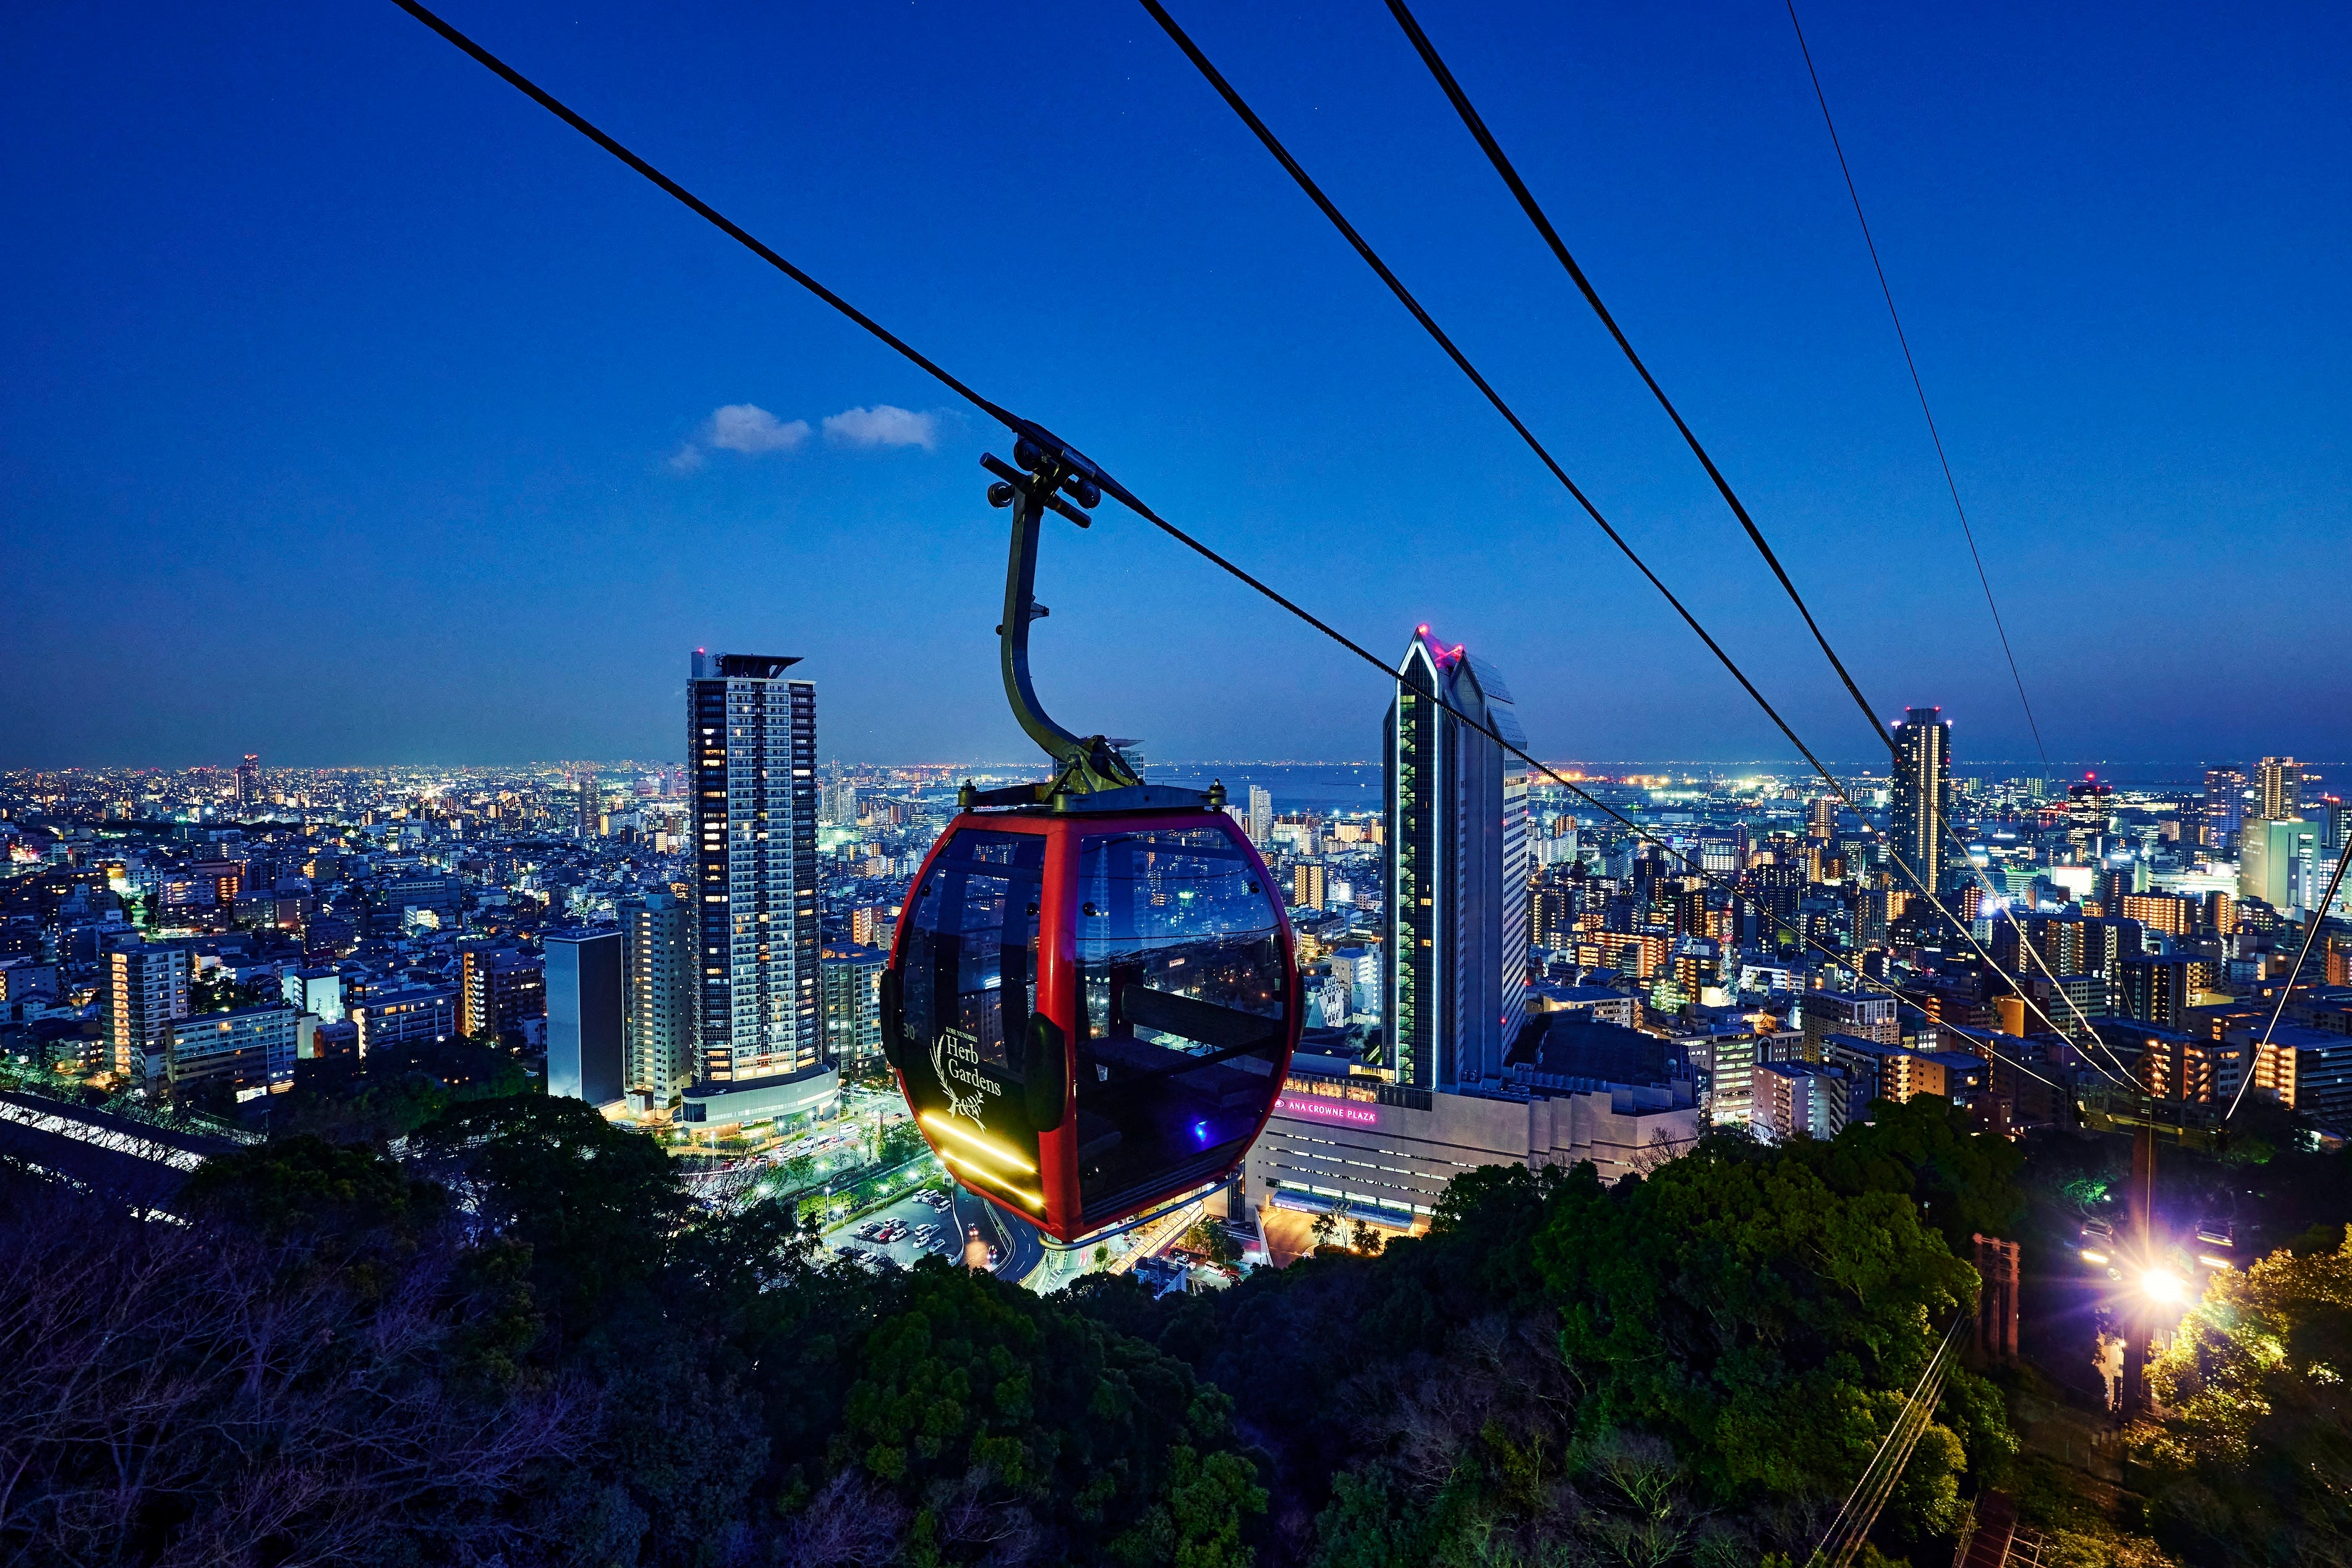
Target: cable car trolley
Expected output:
[1093,994]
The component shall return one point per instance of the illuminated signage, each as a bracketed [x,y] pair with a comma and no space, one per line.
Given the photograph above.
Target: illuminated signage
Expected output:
[1321,1110]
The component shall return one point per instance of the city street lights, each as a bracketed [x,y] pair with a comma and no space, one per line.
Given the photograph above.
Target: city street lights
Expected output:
[2164,1288]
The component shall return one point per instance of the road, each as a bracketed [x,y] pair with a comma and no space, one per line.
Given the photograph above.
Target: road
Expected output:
[1019,1251]
[1019,1248]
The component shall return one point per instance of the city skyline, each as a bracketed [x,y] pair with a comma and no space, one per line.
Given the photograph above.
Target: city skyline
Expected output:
[511,396]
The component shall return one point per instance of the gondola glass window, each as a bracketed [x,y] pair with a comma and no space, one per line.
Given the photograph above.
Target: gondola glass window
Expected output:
[969,979]
[1183,993]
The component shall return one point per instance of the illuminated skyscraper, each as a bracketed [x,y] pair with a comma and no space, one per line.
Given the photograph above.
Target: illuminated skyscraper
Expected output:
[751,739]
[1922,795]
[1455,983]
[2225,807]
[2280,783]
[248,786]
[1260,826]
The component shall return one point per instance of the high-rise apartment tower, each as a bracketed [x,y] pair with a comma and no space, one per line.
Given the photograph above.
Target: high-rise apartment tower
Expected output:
[2281,781]
[1454,989]
[657,993]
[752,752]
[146,990]
[1923,797]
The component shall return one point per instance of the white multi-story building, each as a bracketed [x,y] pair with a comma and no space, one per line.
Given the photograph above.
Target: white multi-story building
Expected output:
[1387,1151]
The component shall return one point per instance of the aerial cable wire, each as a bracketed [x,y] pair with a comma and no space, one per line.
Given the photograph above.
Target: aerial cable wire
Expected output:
[1111,487]
[1305,183]
[2302,955]
[1887,1443]
[1902,339]
[1535,212]
[1476,125]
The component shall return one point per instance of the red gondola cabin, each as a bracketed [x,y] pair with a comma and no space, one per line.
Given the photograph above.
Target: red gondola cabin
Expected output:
[1091,1013]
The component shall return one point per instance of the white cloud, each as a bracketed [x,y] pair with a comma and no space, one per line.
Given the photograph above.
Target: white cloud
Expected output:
[686,458]
[882,426]
[750,430]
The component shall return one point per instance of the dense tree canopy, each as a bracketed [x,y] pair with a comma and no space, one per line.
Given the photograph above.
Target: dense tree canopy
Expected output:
[2253,1463]
[520,1343]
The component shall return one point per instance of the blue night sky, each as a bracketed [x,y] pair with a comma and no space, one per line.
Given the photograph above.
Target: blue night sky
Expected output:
[359,411]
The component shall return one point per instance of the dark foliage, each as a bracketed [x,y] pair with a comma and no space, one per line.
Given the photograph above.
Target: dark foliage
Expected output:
[1687,1368]
[526,1347]
[519,1343]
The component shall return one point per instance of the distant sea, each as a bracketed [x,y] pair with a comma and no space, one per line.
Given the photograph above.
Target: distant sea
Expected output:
[1356,786]
[1295,786]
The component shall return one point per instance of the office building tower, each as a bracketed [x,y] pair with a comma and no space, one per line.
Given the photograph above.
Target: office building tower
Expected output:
[1821,818]
[587,807]
[657,982]
[1456,870]
[584,1035]
[1260,826]
[853,1008]
[146,991]
[2276,861]
[248,786]
[2280,785]
[1306,886]
[751,739]
[2225,807]
[1922,787]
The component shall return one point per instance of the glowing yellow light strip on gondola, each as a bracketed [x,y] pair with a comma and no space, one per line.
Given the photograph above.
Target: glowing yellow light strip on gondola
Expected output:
[979,1146]
[1035,1200]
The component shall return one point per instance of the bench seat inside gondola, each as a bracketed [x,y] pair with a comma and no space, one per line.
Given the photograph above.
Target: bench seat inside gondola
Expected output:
[1125,1079]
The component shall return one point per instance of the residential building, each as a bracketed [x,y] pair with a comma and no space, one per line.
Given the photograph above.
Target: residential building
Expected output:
[146,992]
[751,742]
[2159,988]
[1922,797]
[410,1017]
[1797,1098]
[1260,823]
[2279,784]
[1867,1014]
[1306,886]
[659,990]
[251,1049]
[1456,870]
[498,988]
[853,1008]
